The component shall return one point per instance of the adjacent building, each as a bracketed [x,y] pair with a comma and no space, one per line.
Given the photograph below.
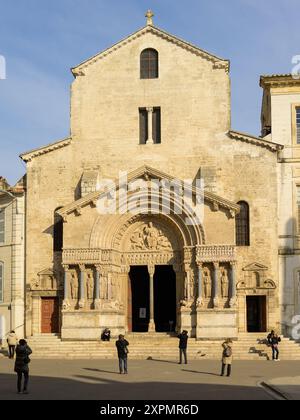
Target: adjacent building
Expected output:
[12,266]
[281,123]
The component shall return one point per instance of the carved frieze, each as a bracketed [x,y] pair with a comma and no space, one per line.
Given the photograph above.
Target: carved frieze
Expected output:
[149,237]
[211,253]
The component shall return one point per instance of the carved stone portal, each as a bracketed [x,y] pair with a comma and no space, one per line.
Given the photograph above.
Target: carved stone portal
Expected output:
[149,237]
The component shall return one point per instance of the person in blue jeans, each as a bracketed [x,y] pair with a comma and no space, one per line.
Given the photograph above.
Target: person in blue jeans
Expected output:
[122,347]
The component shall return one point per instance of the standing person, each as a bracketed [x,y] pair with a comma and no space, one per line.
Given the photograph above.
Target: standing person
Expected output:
[12,341]
[183,340]
[122,345]
[274,340]
[227,357]
[21,365]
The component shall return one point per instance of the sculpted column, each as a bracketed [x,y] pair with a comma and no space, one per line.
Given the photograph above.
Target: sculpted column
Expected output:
[81,286]
[200,294]
[232,301]
[66,302]
[97,287]
[151,269]
[216,285]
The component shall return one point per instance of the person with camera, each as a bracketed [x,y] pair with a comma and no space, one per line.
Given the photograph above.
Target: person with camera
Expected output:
[227,357]
[122,349]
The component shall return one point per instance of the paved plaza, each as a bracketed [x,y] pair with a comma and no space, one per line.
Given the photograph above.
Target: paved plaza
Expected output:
[152,380]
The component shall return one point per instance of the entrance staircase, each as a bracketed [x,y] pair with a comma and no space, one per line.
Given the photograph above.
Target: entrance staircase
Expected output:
[160,347]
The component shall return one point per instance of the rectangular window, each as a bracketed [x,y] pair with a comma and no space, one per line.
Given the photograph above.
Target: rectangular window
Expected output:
[156,126]
[1,281]
[298,125]
[298,208]
[2,226]
[143,125]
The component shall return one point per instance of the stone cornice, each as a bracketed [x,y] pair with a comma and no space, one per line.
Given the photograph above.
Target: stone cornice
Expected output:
[28,156]
[257,141]
[279,80]
[148,173]
[217,61]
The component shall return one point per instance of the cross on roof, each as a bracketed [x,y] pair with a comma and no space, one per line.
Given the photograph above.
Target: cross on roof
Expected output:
[149,15]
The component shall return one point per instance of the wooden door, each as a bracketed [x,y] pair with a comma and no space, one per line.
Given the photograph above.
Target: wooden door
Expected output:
[50,316]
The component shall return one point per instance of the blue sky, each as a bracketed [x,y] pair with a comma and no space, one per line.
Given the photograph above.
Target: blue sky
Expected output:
[41,40]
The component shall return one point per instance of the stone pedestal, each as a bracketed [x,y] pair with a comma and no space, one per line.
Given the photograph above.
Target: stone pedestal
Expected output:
[216,324]
[88,325]
[187,321]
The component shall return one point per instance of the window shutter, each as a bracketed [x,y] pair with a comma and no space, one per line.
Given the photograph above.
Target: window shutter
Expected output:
[1,281]
[2,226]
[298,124]
[143,125]
[156,125]
[298,205]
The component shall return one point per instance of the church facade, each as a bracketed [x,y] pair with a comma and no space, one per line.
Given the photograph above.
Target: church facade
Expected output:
[149,116]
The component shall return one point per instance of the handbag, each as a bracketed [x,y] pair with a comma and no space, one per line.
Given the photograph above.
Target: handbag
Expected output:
[126,351]
[27,360]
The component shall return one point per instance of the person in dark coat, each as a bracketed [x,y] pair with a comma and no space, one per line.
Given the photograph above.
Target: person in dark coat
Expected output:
[105,335]
[122,345]
[21,365]
[273,341]
[183,340]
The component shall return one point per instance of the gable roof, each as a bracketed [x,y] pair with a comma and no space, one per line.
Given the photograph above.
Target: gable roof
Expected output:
[258,141]
[148,173]
[28,156]
[217,61]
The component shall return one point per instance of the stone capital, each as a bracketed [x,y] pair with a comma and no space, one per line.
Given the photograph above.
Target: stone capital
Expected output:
[216,265]
[151,270]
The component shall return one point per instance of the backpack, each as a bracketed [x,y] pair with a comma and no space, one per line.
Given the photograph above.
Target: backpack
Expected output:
[227,352]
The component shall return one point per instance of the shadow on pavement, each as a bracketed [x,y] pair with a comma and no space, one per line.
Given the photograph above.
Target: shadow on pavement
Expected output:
[101,389]
[201,373]
[102,371]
